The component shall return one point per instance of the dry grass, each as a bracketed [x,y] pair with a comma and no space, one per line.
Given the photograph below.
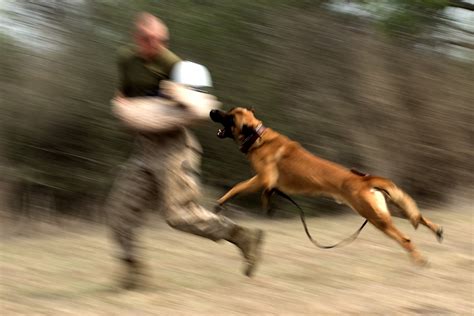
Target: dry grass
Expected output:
[70,271]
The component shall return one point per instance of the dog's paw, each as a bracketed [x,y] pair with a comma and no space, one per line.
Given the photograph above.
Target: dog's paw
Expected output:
[440,234]
[270,212]
[421,262]
[218,208]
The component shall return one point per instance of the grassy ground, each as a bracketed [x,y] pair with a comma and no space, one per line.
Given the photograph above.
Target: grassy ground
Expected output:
[69,270]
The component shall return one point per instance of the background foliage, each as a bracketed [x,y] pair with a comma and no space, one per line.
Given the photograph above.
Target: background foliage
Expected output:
[383,86]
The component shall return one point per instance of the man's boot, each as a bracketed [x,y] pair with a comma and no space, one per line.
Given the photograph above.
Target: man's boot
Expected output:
[249,242]
[133,276]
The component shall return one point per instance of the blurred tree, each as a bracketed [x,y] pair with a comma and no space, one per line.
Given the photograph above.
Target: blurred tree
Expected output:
[416,18]
[322,77]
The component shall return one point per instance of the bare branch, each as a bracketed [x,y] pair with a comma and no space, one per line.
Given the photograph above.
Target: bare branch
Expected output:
[458,28]
[461,4]
[461,44]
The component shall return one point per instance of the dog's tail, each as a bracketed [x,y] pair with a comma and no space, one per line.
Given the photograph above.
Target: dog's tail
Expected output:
[400,198]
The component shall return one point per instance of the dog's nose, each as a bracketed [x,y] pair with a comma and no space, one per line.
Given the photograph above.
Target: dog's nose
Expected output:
[215,115]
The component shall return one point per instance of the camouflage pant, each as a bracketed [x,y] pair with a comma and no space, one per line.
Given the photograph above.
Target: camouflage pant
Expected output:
[164,176]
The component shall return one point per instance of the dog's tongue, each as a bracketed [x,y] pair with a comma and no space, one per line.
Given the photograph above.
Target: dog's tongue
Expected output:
[221,133]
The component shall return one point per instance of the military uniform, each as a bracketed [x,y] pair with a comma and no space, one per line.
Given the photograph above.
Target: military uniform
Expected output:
[163,172]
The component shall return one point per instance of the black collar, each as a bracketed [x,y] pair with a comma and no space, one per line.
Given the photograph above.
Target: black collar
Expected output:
[252,138]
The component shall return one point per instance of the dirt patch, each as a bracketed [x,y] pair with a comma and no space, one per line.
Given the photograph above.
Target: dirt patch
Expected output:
[70,271]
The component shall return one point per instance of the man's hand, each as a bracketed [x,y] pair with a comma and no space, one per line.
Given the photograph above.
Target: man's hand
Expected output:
[119,98]
[120,101]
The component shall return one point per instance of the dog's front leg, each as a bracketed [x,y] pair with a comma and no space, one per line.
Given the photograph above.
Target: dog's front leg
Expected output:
[266,203]
[266,195]
[251,185]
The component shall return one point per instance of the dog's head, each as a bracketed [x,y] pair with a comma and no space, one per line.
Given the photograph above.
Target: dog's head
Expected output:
[239,123]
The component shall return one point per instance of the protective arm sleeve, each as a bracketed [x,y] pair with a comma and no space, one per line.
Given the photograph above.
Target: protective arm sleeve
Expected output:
[152,114]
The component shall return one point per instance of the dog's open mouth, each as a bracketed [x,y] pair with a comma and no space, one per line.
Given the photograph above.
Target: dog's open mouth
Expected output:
[226,120]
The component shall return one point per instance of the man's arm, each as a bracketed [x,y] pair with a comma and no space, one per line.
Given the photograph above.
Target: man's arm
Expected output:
[155,114]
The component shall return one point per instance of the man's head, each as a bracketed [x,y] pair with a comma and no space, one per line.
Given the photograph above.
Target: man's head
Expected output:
[151,35]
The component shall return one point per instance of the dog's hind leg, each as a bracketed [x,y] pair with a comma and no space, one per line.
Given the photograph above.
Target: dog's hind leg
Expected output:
[376,211]
[398,197]
[406,204]
[435,228]
[390,230]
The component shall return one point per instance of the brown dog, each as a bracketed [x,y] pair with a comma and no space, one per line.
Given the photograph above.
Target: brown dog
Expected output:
[283,164]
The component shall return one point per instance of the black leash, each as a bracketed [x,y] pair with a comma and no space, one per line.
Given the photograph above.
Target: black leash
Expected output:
[303,220]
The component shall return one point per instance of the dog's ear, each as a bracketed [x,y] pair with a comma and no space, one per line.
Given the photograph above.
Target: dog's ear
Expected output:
[251,109]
